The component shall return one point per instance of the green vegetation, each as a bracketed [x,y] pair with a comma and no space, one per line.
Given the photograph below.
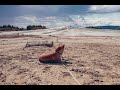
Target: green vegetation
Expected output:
[13,28]
[33,27]
[9,28]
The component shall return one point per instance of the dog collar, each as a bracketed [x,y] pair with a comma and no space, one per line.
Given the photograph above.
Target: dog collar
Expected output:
[59,53]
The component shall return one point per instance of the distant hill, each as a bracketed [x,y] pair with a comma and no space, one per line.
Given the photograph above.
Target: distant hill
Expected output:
[104,27]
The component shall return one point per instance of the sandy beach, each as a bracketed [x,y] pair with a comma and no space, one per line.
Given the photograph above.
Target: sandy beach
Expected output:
[94,55]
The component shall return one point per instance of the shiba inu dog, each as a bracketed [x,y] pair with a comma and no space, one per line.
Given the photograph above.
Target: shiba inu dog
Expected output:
[55,57]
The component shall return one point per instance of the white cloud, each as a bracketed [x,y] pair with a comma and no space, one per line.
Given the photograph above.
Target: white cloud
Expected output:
[97,19]
[51,18]
[23,21]
[26,18]
[104,8]
[51,21]
[71,20]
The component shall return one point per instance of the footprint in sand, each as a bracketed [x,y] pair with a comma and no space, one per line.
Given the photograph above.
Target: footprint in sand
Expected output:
[2,77]
[65,74]
[46,68]
[20,71]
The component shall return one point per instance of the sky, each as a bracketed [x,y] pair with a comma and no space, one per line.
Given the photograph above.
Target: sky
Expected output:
[59,15]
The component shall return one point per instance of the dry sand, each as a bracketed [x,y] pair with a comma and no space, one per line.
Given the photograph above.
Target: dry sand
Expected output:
[95,59]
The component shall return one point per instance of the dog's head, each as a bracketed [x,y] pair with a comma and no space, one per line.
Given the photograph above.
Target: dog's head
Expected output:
[60,49]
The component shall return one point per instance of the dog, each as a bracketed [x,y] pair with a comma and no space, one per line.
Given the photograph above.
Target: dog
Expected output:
[52,57]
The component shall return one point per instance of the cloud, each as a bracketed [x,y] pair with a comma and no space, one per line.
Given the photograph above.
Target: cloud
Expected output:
[104,8]
[50,18]
[26,18]
[96,19]
[71,20]
[51,21]
[58,15]
[56,21]
[23,21]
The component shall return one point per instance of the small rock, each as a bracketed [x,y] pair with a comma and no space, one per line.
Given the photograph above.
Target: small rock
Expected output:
[81,75]
[96,80]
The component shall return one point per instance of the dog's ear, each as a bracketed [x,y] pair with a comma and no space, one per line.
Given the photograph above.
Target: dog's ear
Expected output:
[63,45]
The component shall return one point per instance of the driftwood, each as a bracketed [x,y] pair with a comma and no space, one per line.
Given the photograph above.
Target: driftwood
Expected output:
[40,43]
[10,35]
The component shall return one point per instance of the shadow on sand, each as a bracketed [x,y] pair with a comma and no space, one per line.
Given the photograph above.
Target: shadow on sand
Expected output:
[65,62]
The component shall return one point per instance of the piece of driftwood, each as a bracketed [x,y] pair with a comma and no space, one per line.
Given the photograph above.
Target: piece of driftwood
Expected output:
[10,35]
[39,43]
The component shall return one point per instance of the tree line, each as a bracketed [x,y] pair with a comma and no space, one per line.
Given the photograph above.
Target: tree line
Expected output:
[93,27]
[34,27]
[14,28]
[9,28]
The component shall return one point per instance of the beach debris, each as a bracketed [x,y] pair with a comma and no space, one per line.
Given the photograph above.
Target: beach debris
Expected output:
[10,35]
[65,61]
[65,74]
[40,43]
[82,70]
